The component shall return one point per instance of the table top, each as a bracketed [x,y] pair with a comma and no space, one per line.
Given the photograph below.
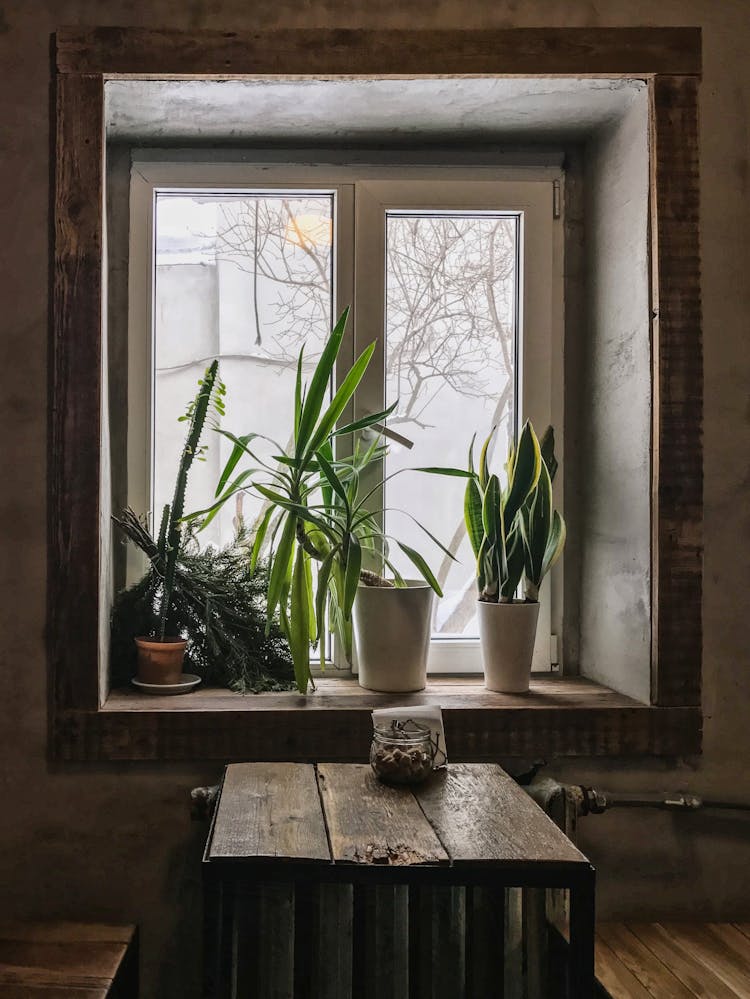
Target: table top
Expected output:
[340,814]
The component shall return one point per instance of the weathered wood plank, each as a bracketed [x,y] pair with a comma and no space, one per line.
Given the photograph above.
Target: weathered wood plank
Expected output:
[719,947]
[616,978]
[73,585]
[681,961]
[656,978]
[62,958]
[371,824]
[482,816]
[339,734]
[357,51]
[678,394]
[269,811]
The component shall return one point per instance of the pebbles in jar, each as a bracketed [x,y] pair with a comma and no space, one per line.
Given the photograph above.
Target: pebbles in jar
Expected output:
[402,752]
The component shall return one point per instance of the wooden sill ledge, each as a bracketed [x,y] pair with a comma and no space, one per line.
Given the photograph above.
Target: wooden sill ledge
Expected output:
[559,717]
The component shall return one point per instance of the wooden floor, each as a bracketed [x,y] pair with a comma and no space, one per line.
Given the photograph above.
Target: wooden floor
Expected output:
[674,960]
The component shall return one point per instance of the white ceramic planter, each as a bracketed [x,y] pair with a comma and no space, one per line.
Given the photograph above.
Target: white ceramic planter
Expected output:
[392,634]
[507,633]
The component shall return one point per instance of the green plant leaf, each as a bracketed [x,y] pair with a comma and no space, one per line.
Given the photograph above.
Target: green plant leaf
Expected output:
[523,476]
[351,578]
[333,480]
[420,563]
[299,623]
[366,421]
[483,456]
[555,544]
[298,395]
[547,448]
[259,538]
[459,473]
[321,599]
[473,515]
[340,400]
[319,383]
[281,561]
[492,510]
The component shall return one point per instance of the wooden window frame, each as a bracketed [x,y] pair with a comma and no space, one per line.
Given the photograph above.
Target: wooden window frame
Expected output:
[571,717]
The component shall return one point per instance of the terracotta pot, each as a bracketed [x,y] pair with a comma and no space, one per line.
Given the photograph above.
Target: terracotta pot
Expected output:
[392,628]
[507,633]
[160,662]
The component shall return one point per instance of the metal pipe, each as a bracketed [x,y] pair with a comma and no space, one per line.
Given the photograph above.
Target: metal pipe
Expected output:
[595,802]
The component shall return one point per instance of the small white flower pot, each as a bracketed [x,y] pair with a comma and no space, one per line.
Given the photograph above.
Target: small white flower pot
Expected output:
[507,633]
[392,628]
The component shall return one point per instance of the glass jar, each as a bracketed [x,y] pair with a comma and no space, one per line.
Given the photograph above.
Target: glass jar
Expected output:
[402,752]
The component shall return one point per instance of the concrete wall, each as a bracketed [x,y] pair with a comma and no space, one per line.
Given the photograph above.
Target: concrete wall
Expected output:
[613,470]
[115,842]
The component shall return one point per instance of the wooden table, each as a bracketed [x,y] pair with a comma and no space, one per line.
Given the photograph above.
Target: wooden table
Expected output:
[470,825]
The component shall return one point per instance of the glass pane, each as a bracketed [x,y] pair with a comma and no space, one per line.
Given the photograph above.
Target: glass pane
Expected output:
[451,318]
[246,278]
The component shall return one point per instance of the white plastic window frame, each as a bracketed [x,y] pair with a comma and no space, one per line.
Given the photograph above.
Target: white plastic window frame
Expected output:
[362,196]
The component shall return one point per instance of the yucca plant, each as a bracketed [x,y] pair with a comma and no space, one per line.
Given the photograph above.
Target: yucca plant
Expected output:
[514,531]
[316,518]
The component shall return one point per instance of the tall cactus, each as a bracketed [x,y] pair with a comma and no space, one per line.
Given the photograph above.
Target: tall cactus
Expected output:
[170,535]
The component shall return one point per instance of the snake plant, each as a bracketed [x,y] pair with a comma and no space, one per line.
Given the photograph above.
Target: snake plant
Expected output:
[514,530]
[316,517]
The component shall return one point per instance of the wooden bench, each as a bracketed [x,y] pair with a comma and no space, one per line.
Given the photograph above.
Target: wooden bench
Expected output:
[673,960]
[68,961]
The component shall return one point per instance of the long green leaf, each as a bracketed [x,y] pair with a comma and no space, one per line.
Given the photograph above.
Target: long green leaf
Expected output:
[491,509]
[351,579]
[555,544]
[260,536]
[340,400]
[333,480]
[299,623]
[321,599]
[366,421]
[473,515]
[298,395]
[483,456]
[420,563]
[459,473]
[524,474]
[319,383]
[280,565]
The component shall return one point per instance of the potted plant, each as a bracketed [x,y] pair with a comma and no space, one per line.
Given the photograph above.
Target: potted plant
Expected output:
[205,600]
[318,521]
[515,534]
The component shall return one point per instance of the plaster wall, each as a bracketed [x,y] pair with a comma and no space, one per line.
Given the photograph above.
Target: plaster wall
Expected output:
[115,842]
[613,468]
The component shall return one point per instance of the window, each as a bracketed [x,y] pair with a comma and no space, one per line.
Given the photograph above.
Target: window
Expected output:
[568,718]
[456,275]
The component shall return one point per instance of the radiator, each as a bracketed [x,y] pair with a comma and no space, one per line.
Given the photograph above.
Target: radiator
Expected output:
[431,943]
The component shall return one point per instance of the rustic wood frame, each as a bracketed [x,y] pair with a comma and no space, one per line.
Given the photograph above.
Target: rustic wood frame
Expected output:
[670,58]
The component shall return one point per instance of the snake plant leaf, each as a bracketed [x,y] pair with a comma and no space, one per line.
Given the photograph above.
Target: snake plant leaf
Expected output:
[471,455]
[318,388]
[555,544]
[333,480]
[366,421]
[340,400]
[547,448]
[421,564]
[260,537]
[535,525]
[491,509]
[281,561]
[514,566]
[483,459]
[524,475]
[351,578]
[473,515]
[299,622]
